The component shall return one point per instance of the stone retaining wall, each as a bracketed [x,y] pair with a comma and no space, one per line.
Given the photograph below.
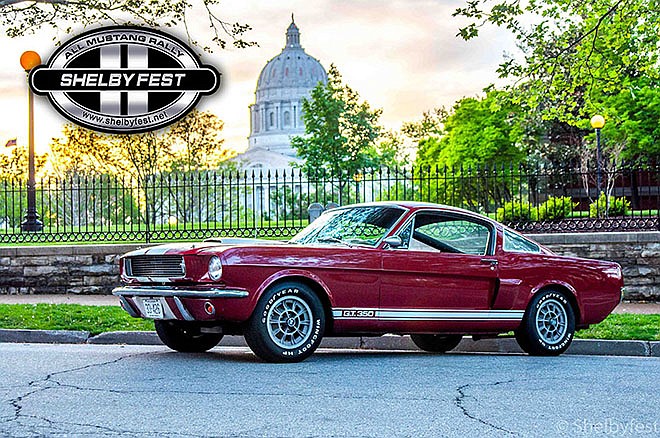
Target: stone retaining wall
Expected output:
[57,269]
[93,269]
[637,253]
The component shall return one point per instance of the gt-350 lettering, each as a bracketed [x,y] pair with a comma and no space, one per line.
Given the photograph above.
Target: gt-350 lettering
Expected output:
[358,313]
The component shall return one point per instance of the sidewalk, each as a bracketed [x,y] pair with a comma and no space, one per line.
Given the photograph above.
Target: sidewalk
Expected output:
[109,300]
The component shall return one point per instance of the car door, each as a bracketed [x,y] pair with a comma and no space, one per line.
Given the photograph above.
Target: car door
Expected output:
[443,276]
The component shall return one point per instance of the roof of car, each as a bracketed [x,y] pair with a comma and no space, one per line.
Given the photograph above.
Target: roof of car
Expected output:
[412,204]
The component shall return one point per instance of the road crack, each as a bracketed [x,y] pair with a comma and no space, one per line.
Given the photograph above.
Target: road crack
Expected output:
[460,399]
[55,427]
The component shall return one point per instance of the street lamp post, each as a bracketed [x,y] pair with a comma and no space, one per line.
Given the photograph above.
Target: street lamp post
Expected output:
[597,122]
[29,60]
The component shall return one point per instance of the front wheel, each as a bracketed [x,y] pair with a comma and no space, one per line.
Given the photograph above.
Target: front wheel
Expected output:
[287,324]
[436,343]
[548,325]
[186,337]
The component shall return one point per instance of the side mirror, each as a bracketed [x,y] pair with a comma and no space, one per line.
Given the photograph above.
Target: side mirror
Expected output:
[393,242]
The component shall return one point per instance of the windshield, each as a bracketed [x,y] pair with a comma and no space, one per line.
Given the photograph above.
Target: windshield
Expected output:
[357,225]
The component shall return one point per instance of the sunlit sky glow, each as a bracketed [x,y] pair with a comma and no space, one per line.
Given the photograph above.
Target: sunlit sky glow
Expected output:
[399,55]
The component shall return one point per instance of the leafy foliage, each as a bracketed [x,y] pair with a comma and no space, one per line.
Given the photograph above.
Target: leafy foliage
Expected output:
[513,211]
[630,129]
[572,51]
[606,206]
[555,208]
[198,138]
[476,132]
[340,130]
[429,126]
[21,17]
[193,143]
[14,165]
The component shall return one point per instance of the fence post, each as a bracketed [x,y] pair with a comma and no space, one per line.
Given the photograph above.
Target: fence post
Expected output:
[315,209]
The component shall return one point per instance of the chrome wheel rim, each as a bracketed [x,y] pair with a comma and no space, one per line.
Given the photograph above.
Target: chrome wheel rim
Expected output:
[289,322]
[551,321]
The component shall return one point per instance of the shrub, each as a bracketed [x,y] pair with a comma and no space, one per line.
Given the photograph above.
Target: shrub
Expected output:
[609,206]
[556,208]
[515,211]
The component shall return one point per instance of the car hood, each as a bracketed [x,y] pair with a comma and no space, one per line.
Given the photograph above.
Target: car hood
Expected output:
[192,248]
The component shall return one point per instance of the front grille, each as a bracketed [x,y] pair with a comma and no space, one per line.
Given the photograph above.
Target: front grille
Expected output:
[170,266]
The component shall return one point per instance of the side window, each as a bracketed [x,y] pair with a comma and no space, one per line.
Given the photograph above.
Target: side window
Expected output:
[438,233]
[516,243]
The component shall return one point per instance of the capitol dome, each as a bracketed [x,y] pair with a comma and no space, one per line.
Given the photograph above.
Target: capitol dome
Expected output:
[293,67]
[276,115]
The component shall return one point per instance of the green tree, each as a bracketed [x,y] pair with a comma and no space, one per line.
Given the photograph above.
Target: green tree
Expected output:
[21,17]
[476,135]
[430,125]
[572,52]
[631,129]
[14,164]
[82,151]
[196,142]
[341,131]
[476,132]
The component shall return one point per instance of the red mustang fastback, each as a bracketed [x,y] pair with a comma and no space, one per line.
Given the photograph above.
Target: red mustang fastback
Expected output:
[434,272]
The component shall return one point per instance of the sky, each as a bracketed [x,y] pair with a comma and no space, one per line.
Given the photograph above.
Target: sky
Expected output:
[400,55]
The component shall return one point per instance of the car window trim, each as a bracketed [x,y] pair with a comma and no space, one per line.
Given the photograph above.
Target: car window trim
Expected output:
[404,211]
[490,246]
[504,233]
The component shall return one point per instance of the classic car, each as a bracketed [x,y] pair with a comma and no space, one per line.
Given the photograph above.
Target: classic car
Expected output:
[434,272]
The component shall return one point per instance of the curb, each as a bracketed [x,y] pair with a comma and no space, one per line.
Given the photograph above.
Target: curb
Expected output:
[44,336]
[589,347]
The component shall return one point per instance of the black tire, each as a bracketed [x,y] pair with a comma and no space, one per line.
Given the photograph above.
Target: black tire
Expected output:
[186,337]
[436,343]
[548,326]
[297,323]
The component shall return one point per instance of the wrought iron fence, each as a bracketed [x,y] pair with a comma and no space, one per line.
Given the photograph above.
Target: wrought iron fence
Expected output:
[256,203]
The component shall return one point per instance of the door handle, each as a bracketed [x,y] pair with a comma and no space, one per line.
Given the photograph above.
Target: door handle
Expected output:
[491,262]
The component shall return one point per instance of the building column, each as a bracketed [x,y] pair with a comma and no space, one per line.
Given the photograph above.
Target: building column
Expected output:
[277,116]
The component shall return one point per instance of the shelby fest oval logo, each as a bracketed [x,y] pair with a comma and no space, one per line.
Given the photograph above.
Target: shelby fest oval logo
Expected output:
[124,79]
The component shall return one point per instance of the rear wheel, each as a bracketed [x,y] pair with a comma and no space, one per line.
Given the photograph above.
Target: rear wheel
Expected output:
[287,325]
[548,325]
[436,343]
[186,337]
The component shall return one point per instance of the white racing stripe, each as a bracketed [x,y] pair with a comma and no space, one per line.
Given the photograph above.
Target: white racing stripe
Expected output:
[427,314]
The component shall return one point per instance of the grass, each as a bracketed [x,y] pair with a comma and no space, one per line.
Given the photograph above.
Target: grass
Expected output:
[625,326]
[94,319]
[98,319]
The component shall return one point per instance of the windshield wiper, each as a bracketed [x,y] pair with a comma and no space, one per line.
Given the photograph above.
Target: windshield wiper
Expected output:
[334,240]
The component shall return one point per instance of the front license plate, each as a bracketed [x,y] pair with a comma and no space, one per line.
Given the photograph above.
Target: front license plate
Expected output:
[153,308]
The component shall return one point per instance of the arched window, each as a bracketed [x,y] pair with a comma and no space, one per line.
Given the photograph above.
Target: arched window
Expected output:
[287,118]
[272,119]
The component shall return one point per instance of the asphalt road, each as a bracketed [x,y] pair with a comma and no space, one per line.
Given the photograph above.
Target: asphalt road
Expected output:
[95,390]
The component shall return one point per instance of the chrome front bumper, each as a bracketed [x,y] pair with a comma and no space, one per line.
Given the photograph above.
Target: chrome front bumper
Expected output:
[171,291]
[176,293]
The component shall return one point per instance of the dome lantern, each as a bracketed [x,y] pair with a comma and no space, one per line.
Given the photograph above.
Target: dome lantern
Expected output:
[292,34]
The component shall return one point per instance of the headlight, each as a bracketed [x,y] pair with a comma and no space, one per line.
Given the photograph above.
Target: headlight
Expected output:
[215,268]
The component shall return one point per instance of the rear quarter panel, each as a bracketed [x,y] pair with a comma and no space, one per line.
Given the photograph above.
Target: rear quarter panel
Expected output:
[596,285]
